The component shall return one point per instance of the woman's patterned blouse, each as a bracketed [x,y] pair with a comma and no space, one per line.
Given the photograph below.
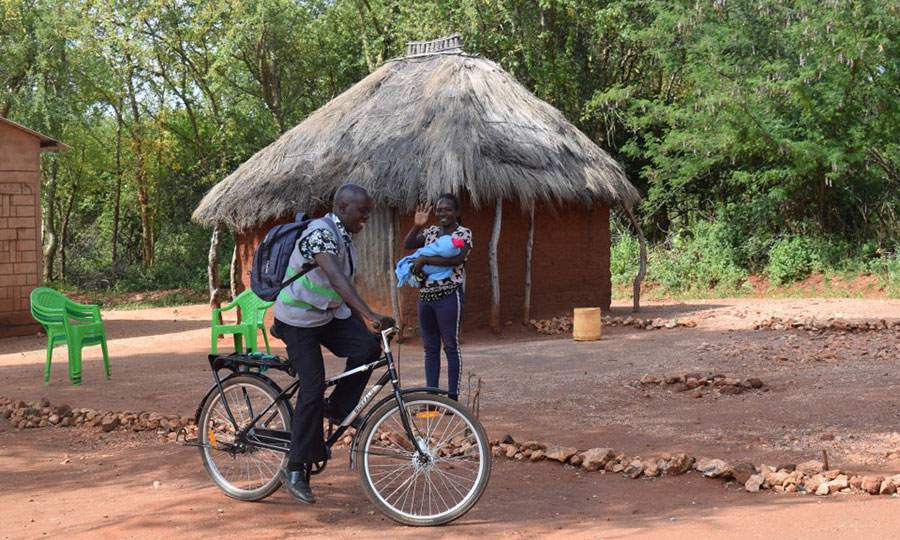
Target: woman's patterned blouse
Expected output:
[436,289]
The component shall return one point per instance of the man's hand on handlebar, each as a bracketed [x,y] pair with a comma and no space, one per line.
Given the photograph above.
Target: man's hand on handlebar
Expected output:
[382,322]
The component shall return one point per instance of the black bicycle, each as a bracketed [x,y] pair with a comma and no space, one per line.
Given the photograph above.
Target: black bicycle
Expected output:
[422,458]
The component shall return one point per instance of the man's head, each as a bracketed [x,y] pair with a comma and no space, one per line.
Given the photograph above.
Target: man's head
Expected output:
[352,205]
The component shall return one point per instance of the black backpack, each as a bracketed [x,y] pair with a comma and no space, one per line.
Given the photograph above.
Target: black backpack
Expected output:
[272,256]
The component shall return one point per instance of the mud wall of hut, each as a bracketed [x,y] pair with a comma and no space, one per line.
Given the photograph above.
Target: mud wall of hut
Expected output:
[20,226]
[570,262]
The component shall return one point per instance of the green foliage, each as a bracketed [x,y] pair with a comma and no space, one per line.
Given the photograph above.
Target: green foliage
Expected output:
[791,259]
[701,260]
[176,263]
[624,260]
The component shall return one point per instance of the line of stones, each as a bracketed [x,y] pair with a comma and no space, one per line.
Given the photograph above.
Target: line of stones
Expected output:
[24,415]
[820,325]
[809,477]
[728,386]
[558,325]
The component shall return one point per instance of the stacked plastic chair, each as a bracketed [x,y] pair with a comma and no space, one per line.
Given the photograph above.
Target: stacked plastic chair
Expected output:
[69,323]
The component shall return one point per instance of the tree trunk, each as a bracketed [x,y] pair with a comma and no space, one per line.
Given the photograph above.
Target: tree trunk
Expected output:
[643,269]
[146,238]
[367,52]
[495,271]
[143,195]
[51,240]
[118,192]
[215,292]
[268,80]
[526,310]
[64,227]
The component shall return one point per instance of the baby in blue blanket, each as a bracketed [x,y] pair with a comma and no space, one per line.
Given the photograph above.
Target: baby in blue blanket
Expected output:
[445,246]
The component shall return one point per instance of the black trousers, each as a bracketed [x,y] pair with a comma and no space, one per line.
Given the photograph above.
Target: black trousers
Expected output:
[349,338]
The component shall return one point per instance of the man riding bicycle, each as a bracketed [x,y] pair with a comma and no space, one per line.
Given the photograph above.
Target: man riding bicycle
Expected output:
[324,308]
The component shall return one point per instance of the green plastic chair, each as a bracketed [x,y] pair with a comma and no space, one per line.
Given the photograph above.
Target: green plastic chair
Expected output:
[253,315]
[70,323]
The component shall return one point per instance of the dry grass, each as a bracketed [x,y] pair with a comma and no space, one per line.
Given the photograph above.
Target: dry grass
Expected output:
[416,128]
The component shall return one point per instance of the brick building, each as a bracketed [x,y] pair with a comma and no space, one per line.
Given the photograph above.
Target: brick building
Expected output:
[20,223]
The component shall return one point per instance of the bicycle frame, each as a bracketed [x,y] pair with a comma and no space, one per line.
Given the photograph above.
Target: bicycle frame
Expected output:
[279,440]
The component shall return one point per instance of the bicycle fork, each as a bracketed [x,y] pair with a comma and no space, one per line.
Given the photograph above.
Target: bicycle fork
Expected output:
[393,376]
[395,382]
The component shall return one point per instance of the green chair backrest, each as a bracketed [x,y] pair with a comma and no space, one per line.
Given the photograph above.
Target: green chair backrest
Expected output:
[253,308]
[48,306]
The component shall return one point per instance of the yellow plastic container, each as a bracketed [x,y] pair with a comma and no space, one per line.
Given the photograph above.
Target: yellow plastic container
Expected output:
[586,324]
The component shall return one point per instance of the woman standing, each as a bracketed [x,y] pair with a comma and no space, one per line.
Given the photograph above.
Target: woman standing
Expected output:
[441,301]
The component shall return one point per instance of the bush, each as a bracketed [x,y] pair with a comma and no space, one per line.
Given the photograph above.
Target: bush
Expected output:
[624,257]
[180,261]
[701,259]
[791,259]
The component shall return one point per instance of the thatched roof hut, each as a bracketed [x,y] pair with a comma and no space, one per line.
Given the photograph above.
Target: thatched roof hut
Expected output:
[419,126]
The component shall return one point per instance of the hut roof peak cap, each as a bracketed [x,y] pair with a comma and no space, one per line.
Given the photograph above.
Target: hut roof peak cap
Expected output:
[451,44]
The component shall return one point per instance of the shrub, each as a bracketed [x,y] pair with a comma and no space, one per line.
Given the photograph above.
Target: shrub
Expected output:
[624,259]
[792,258]
[700,259]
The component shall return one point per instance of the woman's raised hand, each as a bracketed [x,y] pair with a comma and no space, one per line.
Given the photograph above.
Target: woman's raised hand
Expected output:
[423,211]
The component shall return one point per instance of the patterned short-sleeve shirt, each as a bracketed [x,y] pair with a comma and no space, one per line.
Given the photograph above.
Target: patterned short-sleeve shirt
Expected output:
[437,289]
[323,240]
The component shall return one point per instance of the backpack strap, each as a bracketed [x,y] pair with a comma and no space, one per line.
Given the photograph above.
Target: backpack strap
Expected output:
[305,269]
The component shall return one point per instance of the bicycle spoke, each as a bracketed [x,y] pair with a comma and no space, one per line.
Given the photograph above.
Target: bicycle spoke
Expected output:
[247,401]
[454,480]
[400,487]
[433,488]
[448,483]
[446,505]
[243,471]
[391,476]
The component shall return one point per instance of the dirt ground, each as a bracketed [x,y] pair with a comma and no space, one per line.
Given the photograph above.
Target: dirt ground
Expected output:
[830,391]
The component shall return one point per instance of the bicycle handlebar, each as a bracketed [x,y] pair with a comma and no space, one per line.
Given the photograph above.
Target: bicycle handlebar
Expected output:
[386,336]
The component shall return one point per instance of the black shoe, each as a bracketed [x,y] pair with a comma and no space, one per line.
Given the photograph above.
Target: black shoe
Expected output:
[298,486]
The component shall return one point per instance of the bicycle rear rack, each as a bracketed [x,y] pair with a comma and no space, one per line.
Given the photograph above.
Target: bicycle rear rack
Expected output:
[237,361]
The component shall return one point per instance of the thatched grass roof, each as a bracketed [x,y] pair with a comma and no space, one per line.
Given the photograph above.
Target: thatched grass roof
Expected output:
[415,128]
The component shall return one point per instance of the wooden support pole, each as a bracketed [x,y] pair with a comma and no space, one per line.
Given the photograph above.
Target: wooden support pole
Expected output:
[495,271]
[395,250]
[526,309]
[215,292]
[236,289]
[643,268]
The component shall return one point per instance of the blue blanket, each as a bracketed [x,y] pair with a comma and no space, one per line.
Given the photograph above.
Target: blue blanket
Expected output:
[445,246]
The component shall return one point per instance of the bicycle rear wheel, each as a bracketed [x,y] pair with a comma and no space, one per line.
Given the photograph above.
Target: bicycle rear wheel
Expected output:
[431,489]
[243,471]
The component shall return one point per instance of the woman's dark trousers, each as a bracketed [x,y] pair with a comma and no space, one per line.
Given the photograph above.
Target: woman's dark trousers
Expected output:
[439,322]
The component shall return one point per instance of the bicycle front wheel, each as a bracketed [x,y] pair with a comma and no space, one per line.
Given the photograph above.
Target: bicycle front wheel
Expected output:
[431,489]
[240,469]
